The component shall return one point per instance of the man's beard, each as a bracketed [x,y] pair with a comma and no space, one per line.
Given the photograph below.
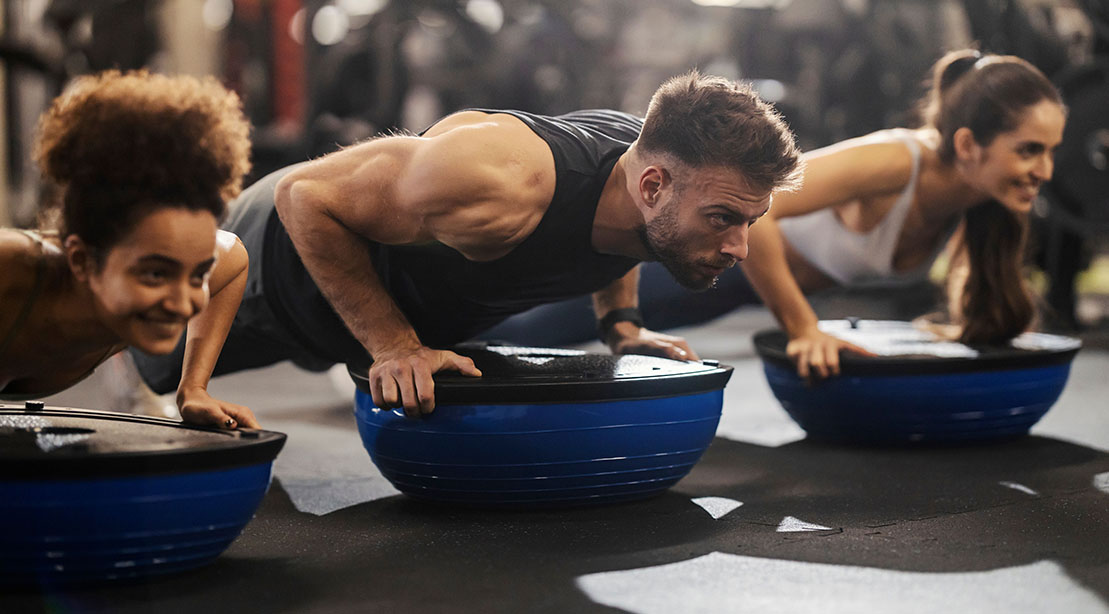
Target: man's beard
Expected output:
[659,237]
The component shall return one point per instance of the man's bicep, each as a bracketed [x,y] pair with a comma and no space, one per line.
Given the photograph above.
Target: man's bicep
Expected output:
[413,189]
[464,166]
[361,189]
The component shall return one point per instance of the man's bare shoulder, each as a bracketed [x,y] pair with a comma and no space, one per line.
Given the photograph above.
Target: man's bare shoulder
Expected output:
[481,178]
[489,138]
[494,122]
[472,179]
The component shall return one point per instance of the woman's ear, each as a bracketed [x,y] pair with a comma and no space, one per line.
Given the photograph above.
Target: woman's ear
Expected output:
[966,148]
[78,255]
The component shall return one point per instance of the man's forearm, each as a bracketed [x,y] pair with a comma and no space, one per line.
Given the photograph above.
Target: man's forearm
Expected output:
[340,263]
[622,293]
[619,294]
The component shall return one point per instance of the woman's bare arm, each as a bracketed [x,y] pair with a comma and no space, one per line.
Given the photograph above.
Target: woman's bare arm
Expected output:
[205,336]
[848,171]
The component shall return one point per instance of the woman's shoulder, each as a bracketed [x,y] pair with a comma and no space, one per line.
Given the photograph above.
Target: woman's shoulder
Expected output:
[893,145]
[877,162]
[21,257]
[19,248]
[890,140]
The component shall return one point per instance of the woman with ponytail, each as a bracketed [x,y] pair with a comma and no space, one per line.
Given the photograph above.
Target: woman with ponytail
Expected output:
[879,209]
[143,166]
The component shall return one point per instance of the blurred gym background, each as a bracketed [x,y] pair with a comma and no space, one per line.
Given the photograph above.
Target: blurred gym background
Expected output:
[317,74]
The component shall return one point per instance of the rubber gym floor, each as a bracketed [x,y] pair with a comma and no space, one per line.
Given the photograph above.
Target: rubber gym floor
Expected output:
[766,522]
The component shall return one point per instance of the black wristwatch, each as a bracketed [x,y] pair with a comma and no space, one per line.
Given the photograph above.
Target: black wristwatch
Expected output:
[626,314]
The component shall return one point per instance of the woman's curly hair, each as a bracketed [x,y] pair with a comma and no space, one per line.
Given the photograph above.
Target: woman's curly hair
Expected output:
[121,145]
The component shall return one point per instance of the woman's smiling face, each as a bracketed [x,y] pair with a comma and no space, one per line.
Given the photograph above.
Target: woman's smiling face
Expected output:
[1012,168]
[148,286]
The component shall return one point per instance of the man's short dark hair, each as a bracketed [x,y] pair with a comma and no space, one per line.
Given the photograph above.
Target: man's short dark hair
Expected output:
[705,121]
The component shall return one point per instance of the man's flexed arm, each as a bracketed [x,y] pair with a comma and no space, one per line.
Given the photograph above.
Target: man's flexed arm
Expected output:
[314,205]
[395,190]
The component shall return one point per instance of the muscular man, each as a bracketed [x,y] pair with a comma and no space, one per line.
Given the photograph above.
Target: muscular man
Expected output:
[399,247]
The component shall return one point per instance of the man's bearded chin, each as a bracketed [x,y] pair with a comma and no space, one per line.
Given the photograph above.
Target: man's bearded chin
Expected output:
[657,240]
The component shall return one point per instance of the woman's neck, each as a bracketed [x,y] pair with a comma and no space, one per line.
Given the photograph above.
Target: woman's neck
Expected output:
[945,187]
[73,312]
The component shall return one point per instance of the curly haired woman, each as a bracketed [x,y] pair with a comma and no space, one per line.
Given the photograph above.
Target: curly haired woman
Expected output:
[144,166]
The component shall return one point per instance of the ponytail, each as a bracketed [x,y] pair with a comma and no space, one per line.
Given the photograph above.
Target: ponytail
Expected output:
[988,296]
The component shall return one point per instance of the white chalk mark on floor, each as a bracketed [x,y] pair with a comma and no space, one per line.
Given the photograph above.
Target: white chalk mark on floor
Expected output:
[1101,482]
[1021,487]
[324,469]
[755,416]
[721,582]
[717,507]
[789,524]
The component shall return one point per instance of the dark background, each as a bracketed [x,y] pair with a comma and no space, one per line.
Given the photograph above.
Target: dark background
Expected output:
[317,74]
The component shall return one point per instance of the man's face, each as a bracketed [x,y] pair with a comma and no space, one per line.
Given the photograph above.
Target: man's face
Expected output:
[700,224]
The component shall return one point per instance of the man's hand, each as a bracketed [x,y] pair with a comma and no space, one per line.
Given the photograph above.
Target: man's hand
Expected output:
[198,407]
[816,353]
[403,378]
[627,338]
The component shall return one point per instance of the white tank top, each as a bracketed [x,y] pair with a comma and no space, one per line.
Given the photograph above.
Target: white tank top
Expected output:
[860,258]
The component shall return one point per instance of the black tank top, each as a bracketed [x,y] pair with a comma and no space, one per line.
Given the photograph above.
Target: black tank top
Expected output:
[448,298]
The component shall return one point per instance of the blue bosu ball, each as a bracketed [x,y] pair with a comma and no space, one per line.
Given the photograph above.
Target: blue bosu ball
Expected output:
[546,427]
[90,496]
[920,390]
